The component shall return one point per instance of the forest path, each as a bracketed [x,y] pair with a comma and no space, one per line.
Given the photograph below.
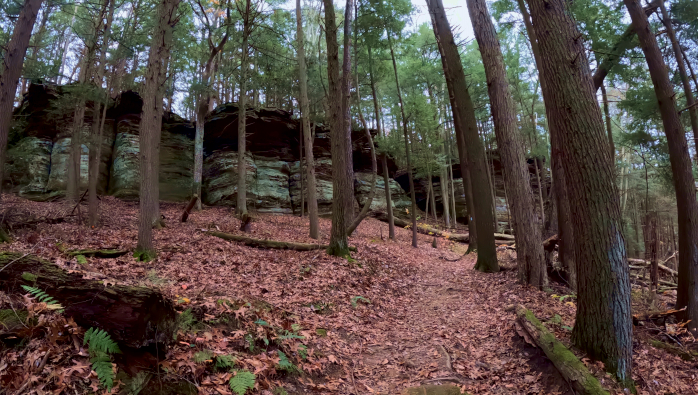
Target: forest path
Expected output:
[452,327]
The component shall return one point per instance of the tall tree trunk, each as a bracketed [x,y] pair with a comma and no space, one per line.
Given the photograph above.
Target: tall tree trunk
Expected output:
[339,245]
[407,145]
[680,159]
[384,157]
[241,207]
[98,125]
[564,214]
[468,139]
[151,123]
[603,326]
[346,114]
[678,54]
[12,70]
[609,126]
[531,264]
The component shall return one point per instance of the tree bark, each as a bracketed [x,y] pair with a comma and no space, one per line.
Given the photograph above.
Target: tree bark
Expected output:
[468,139]
[678,54]
[151,124]
[133,316]
[529,251]
[603,326]
[12,70]
[338,236]
[346,115]
[680,159]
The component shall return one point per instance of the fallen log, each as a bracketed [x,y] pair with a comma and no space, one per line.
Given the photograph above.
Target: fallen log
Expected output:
[190,205]
[569,366]
[662,315]
[273,244]
[105,253]
[663,282]
[500,238]
[645,263]
[133,316]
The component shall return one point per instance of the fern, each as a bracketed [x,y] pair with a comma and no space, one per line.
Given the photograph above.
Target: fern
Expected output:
[100,341]
[224,361]
[101,346]
[285,364]
[356,299]
[43,297]
[242,381]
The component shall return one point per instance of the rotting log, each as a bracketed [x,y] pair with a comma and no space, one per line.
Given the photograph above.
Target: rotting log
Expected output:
[190,206]
[103,253]
[133,316]
[569,366]
[273,244]
[656,316]
[500,238]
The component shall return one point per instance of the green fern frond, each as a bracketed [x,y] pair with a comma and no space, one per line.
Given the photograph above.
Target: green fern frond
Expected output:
[102,365]
[242,381]
[99,340]
[356,299]
[285,364]
[224,361]
[43,297]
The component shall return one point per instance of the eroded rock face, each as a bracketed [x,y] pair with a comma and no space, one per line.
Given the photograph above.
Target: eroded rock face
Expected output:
[124,180]
[28,165]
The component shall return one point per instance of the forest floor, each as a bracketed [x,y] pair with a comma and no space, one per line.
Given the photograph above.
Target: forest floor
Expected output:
[391,317]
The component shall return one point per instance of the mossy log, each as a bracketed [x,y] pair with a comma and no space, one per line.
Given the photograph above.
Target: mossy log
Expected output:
[500,238]
[569,366]
[272,244]
[133,316]
[98,253]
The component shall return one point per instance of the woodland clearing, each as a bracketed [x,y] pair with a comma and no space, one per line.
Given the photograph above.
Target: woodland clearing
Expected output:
[391,317]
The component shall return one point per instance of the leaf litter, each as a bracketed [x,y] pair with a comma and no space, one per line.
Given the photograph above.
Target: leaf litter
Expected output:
[389,318]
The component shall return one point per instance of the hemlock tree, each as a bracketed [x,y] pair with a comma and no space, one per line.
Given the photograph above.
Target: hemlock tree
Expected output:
[305,125]
[529,250]
[339,245]
[603,326]
[684,183]
[470,147]
[12,70]
[151,124]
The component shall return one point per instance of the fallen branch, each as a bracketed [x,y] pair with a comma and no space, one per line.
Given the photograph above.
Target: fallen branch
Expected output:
[569,366]
[661,265]
[106,253]
[663,282]
[190,206]
[273,244]
[656,316]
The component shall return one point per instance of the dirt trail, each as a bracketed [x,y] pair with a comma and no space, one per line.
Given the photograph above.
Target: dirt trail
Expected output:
[452,327]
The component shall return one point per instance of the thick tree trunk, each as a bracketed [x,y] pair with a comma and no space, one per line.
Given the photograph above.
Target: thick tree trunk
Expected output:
[338,237]
[529,252]
[151,124]
[12,70]
[133,316]
[603,326]
[468,139]
[346,114]
[680,159]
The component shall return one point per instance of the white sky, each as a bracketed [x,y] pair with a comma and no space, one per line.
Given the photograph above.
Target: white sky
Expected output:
[456,12]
